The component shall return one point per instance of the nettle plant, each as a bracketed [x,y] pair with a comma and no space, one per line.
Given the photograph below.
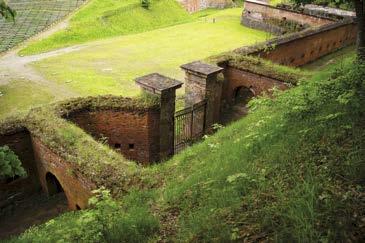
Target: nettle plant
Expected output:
[10,165]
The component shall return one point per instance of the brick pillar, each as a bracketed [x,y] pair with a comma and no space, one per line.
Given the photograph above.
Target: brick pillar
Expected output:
[201,82]
[165,87]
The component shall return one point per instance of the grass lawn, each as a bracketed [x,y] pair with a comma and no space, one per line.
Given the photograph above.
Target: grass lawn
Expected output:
[106,18]
[109,66]
[20,95]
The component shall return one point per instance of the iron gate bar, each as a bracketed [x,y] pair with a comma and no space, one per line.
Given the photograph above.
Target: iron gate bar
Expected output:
[189,125]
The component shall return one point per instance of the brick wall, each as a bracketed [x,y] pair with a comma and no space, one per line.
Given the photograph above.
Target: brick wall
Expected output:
[134,134]
[20,143]
[77,188]
[195,5]
[261,10]
[235,78]
[309,45]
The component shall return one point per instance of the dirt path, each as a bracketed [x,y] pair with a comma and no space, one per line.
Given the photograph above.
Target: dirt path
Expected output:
[15,67]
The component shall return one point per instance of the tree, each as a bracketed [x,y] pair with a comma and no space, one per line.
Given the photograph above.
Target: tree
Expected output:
[6,12]
[360,19]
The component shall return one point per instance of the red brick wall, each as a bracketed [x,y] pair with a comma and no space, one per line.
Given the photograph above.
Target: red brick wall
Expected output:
[124,128]
[308,48]
[20,143]
[77,188]
[195,5]
[191,5]
[276,13]
[236,78]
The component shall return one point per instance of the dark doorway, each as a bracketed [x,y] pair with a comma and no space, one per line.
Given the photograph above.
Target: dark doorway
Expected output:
[53,185]
[242,95]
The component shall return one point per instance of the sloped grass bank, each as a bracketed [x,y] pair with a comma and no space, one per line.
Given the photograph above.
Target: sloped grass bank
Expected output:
[107,18]
[293,170]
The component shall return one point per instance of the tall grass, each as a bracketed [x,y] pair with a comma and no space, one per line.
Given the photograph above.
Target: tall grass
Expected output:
[291,171]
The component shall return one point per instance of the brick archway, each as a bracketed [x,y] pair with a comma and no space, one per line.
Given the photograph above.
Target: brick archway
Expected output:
[242,94]
[53,185]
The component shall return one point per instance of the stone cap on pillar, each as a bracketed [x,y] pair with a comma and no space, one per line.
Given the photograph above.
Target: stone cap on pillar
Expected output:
[157,83]
[201,69]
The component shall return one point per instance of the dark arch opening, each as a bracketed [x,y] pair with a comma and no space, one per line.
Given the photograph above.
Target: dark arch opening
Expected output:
[53,185]
[78,207]
[243,95]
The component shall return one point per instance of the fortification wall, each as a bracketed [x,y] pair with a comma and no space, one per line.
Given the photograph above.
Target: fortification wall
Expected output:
[309,45]
[134,134]
[260,10]
[195,5]
[76,188]
[235,78]
[326,35]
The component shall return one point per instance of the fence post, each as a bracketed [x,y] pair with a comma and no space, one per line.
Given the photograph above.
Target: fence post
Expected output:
[165,87]
[201,82]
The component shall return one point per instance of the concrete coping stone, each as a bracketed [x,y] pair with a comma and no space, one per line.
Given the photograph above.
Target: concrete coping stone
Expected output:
[157,83]
[329,10]
[201,68]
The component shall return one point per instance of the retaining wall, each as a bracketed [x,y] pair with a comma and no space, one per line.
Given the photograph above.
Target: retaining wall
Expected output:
[135,134]
[261,11]
[235,78]
[77,188]
[195,5]
[309,45]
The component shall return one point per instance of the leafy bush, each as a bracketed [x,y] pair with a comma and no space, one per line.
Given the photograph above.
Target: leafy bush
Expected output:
[10,165]
[106,221]
[145,4]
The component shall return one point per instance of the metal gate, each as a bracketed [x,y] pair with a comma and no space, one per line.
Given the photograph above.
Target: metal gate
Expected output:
[189,125]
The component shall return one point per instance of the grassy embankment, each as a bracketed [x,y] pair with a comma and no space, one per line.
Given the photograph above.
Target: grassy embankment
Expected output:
[292,170]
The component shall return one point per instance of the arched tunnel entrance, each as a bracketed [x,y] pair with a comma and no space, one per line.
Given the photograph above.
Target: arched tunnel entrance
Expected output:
[53,185]
[237,108]
[242,95]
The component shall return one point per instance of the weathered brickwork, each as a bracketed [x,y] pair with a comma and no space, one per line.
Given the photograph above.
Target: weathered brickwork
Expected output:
[310,46]
[236,78]
[195,5]
[76,188]
[261,10]
[133,134]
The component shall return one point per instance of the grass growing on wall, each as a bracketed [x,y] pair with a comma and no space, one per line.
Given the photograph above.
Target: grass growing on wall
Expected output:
[106,18]
[292,170]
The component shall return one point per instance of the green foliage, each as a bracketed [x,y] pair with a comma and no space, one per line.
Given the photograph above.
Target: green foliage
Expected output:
[6,12]
[145,4]
[106,221]
[10,165]
[284,173]
[292,170]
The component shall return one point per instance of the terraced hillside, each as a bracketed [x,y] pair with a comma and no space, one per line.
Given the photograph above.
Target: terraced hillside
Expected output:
[33,17]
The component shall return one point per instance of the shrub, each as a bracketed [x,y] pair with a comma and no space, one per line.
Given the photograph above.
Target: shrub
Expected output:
[10,165]
[145,4]
[105,221]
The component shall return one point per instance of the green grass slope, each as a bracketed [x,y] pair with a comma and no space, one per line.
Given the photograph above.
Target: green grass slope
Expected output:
[106,18]
[291,171]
